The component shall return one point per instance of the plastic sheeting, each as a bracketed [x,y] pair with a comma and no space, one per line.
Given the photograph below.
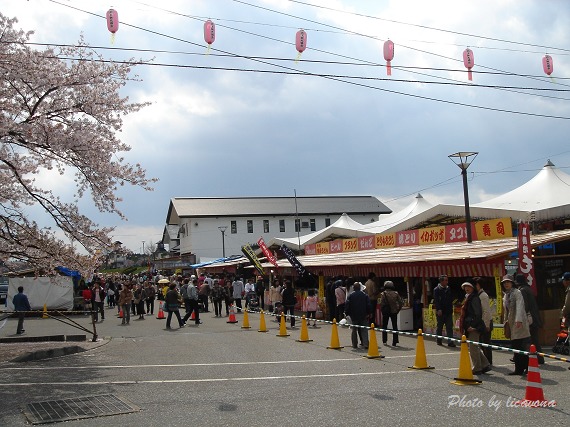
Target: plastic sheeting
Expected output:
[55,292]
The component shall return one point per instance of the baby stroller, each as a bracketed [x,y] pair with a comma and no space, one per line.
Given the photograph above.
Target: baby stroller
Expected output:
[562,345]
[252,300]
[277,310]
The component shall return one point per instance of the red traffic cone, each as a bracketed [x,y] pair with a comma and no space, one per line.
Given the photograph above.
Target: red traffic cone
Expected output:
[232,318]
[121,314]
[534,396]
[160,314]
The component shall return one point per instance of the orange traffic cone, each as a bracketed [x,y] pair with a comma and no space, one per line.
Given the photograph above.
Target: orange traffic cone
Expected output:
[335,342]
[534,396]
[232,318]
[160,314]
[465,373]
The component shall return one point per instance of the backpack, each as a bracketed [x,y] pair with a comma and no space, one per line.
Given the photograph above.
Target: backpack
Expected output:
[192,292]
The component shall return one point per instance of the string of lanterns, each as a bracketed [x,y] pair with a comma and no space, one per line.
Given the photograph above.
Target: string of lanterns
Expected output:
[301,45]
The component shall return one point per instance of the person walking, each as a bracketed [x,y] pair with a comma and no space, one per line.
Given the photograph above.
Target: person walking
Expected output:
[275,298]
[390,305]
[150,293]
[21,306]
[373,291]
[172,300]
[125,298]
[340,295]
[238,292]
[517,324]
[288,299]
[260,292]
[358,308]
[311,305]
[218,294]
[485,336]
[443,301]
[249,290]
[471,324]
[204,294]
[98,301]
[532,313]
[192,294]
[330,298]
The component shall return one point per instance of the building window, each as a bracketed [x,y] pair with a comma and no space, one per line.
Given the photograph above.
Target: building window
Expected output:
[313,225]
[327,222]
[233,227]
[250,226]
[282,226]
[297,225]
[266,226]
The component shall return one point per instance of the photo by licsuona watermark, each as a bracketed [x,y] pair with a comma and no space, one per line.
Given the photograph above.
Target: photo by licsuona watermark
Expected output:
[465,401]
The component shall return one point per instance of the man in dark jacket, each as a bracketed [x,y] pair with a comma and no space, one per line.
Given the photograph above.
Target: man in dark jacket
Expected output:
[472,326]
[531,307]
[444,309]
[358,308]
[21,304]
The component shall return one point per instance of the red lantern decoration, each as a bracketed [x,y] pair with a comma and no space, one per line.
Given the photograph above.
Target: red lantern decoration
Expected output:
[112,21]
[209,32]
[469,62]
[547,64]
[301,41]
[388,55]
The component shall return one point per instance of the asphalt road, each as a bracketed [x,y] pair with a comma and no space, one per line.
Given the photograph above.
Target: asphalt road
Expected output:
[218,374]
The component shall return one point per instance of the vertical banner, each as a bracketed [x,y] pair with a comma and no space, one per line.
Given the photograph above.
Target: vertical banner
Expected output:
[270,257]
[293,260]
[250,255]
[526,264]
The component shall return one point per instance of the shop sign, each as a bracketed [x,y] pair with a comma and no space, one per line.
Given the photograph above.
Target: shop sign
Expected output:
[366,243]
[311,249]
[335,246]
[456,233]
[407,238]
[350,245]
[432,235]
[526,264]
[493,229]
[385,240]
[322,248]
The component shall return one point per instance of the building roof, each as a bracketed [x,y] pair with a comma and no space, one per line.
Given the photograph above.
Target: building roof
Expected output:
[200,207]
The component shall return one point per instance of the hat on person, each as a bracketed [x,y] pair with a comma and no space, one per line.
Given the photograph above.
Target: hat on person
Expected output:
[465,284]
[520,280]
[565,276]
[193,276]
[388,284]
[508,278]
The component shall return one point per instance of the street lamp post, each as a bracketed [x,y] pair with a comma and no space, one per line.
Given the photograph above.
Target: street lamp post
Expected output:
[223,229]
[463,159]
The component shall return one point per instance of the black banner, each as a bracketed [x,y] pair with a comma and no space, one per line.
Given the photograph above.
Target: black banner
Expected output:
[250,255]
[294,261]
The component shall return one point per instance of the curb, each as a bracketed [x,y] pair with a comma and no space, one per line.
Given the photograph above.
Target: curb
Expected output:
[48,354]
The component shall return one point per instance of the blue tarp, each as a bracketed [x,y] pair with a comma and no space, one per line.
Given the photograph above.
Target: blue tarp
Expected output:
[68,272]
[226,259]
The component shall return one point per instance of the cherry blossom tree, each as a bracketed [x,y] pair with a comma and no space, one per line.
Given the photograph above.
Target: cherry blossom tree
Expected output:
[60,111]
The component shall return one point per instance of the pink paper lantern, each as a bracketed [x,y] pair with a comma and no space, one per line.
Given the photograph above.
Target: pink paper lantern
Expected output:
[301,41]
[547,64]
[112,21]
[388,55]
[209,32]
[469,62]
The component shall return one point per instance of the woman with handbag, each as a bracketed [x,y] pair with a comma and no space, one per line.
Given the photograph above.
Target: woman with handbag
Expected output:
[517,324]
[471,324]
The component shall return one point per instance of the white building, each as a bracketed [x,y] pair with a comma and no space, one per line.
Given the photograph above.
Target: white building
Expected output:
[194,225]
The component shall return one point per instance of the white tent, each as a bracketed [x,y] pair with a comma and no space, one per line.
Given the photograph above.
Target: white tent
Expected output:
[56,292]
[345,226]
[546,195]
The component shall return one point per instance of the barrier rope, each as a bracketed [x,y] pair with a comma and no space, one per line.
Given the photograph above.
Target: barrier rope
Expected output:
[415,334]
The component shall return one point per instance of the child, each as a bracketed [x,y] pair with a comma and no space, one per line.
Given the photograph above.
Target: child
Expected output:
[311,304]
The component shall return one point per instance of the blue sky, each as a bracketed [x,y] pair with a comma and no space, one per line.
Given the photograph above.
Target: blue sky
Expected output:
[219,132]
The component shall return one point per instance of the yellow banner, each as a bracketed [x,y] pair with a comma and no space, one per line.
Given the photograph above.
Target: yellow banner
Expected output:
[350,245]
[493,229]
[387,240]
[432,235]
[323,248]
